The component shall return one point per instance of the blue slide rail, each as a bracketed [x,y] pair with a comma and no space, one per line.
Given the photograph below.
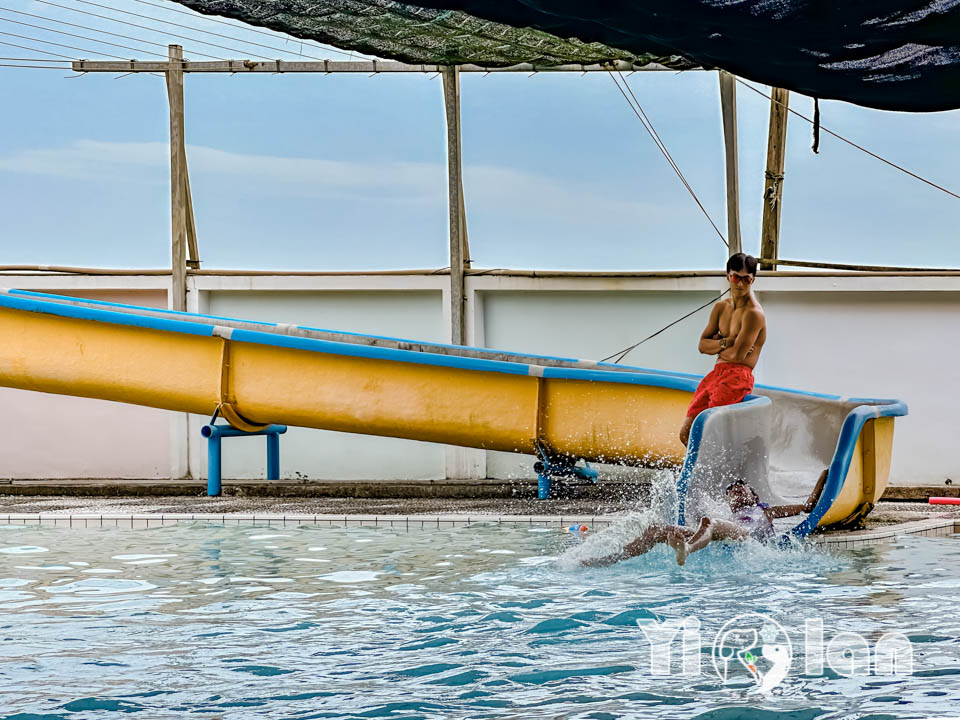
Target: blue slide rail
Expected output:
[847,442]
[838,469]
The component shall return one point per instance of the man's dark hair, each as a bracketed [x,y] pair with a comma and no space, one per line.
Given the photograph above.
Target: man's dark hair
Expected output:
[741,262]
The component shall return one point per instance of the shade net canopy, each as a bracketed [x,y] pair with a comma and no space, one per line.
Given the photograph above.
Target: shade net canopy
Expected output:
[886,54]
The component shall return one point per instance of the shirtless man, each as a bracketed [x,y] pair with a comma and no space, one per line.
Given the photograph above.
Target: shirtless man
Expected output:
[735,333]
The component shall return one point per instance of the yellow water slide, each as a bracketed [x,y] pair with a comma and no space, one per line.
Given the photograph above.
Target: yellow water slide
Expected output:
[564,410]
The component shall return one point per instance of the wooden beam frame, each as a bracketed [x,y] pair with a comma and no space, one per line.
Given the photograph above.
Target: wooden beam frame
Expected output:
[728,108]
[773,184]
[458,255]
[327,67]
[178,201]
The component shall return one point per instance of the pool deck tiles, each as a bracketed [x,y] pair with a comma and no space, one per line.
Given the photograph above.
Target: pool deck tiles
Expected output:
[148,520]
[933,527]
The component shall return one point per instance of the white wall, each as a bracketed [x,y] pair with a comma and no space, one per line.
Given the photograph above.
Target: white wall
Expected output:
[593,325]
[414,314]
[850,335]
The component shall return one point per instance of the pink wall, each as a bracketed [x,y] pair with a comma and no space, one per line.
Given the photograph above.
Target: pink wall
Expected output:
[55,436]
[146,298]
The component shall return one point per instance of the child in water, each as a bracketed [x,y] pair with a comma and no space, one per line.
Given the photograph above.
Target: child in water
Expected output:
[752,519]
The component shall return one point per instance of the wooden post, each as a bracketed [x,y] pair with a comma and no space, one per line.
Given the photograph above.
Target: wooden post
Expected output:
[728,108]
[193,252]
[178,202]
[773,186]
[463,220]
[451,101]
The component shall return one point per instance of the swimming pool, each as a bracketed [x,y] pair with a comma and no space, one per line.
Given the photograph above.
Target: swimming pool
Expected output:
[483,621]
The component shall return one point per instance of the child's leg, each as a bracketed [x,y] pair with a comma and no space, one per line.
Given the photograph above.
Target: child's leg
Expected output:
[702,537]
[710,530]
[654,535]
[672,535]
[678,541]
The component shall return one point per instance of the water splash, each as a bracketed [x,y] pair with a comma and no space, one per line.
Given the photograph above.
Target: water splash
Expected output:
[727,557]
[611,540]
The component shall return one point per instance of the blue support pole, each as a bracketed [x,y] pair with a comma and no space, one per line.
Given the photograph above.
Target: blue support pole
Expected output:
[213,465]
[273,456]
[543,485]
[215,433]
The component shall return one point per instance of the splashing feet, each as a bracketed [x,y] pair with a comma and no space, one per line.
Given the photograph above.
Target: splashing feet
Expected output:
[679,544]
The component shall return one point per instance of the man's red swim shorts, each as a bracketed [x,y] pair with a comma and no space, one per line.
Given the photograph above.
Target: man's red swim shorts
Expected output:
[726,384]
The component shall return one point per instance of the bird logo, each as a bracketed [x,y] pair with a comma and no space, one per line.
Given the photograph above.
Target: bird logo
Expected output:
[747,639]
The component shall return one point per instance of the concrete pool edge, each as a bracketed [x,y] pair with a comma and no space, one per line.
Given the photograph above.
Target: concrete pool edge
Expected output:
[934,527]
[363,489]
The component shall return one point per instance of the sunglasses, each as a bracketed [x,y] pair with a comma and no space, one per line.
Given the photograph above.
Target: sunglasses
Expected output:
[741,279]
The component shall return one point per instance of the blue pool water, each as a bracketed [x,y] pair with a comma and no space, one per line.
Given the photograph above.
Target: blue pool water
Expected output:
[206,621]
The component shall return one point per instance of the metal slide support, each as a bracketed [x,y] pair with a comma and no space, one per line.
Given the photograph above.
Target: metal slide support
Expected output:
[213,463]
[273,456]
[548,469]
[214,433]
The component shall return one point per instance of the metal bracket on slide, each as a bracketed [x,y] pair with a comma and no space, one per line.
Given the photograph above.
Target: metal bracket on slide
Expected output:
[548,468]
[214,433]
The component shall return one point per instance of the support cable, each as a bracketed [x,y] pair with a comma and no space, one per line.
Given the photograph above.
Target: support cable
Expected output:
[651,131]
[247,29]
[34,67]
[853,144]
[620,355]
[36,50]
[146,27]
[97,30]
[70,47]
[191,27]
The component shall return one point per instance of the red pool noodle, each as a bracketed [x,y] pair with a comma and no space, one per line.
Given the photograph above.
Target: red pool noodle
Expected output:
[944,501]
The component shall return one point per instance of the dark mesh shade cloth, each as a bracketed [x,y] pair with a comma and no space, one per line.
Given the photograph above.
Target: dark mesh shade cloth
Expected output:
[887,54]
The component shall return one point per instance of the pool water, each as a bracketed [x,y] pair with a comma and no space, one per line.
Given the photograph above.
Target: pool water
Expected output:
[485,621]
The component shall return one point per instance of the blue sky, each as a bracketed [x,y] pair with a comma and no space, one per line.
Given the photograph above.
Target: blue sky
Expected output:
[348,172]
